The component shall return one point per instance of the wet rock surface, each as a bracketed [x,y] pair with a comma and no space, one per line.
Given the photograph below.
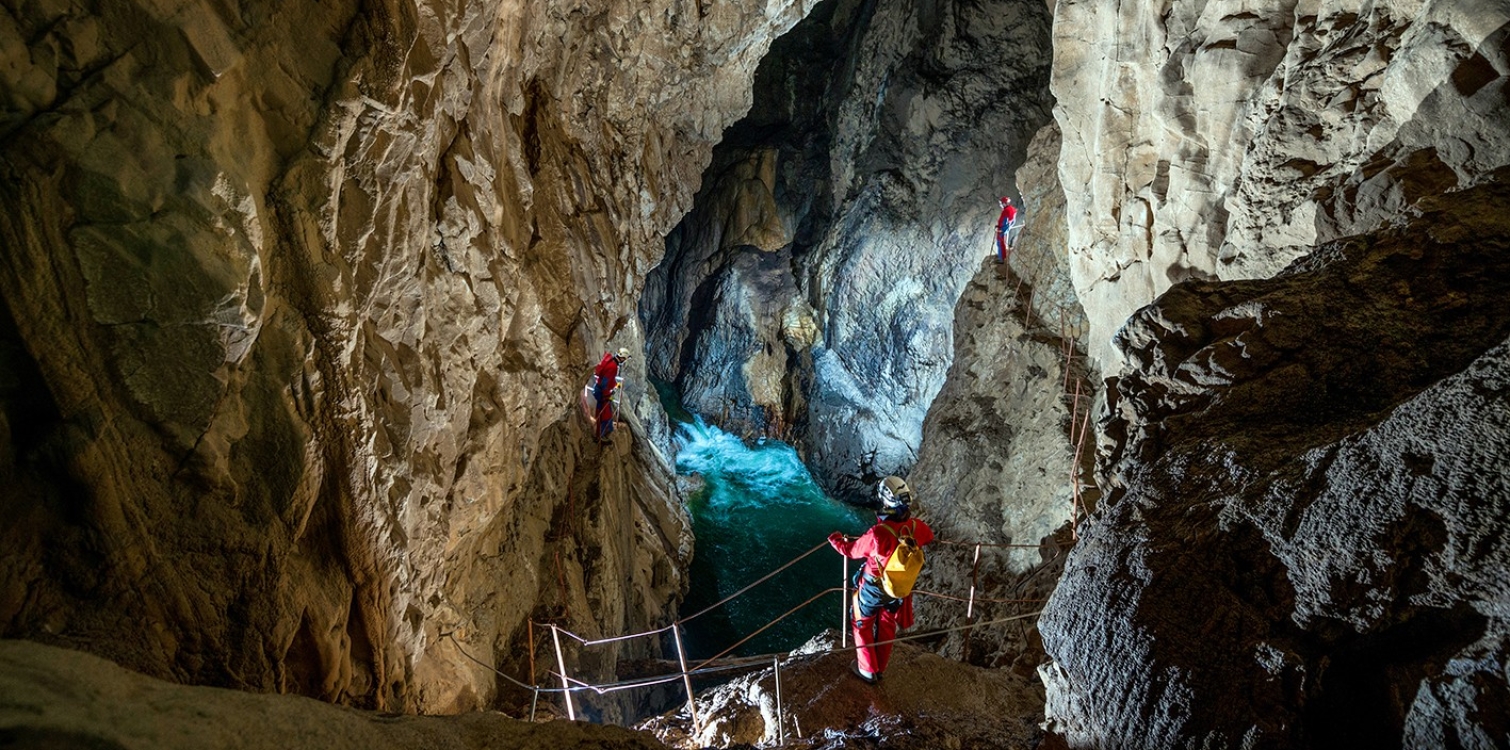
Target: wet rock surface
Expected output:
[924,701]
[55,698]
[1302,542]
[809,293]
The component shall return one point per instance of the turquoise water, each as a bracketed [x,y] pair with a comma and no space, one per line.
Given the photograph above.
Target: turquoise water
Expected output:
[757,509]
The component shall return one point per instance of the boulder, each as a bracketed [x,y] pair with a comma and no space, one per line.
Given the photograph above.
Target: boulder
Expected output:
[1306,480]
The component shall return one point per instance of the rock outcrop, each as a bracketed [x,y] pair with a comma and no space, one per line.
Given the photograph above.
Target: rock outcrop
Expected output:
[924,702]
[1222,140]
[1309,478]
[299,298]
[999,442]
[809,293]
[51,697]
[1007,438]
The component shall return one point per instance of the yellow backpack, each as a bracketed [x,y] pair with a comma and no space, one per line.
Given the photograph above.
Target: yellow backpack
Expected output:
[901,569]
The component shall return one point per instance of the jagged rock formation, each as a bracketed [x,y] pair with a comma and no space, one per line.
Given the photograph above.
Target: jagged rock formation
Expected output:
[809,292]
[924,702]
[52,697]
[1308,477]
[998,454]
[299,298]
[1223,140]
[1000,441]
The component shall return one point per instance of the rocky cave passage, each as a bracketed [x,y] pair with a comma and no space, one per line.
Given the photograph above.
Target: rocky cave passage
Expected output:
[298,298]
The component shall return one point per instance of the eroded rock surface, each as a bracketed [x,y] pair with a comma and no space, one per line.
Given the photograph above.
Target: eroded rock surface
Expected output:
[998,454]
[810,292]
[1309,478]
[300,298]
[1000,442]
[1224,139]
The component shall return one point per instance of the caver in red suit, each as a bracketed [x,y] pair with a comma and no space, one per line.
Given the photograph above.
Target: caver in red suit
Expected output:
[608,377]
[1004,228]
[876,614]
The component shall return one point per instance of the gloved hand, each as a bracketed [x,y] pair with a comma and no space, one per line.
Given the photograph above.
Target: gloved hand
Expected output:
[835,538]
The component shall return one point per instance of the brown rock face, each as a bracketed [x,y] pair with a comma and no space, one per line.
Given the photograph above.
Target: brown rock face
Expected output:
[299,300]
[1001,444]
[1308,480]
[998,458]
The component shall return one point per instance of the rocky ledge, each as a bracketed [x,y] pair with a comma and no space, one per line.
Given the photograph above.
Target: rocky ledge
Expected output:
[925,702]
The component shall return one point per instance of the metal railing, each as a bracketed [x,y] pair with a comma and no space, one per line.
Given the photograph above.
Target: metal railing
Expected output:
[570,685]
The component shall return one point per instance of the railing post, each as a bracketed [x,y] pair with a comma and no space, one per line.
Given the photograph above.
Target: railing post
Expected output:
[974,577]
[681,656]
[532,653]
[970,608]
[571,711]
[780,723]
[844,605]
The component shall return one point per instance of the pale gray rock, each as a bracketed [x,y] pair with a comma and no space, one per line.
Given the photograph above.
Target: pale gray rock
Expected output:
[1307,480]
[999,444]
[998,458]
[1225,139]
[809,294]
[56,698]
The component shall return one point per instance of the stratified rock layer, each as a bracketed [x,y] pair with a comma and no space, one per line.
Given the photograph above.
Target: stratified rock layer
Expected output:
[300,298]
[1224,139]
[809,293]
[1309,477]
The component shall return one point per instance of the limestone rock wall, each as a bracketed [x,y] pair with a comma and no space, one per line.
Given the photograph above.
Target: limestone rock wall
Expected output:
[1002,444]
[1222,140]
[998,459]
[810,292]
[1302,543]
[925,702]
[299,297]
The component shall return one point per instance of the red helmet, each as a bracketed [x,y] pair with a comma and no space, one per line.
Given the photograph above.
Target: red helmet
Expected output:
[1004,200]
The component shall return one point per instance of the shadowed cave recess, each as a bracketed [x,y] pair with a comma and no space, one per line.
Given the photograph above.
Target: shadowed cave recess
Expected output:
[299,299]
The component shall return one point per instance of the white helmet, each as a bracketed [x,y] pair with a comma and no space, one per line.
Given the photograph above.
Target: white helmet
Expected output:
[894,494]
[623,353]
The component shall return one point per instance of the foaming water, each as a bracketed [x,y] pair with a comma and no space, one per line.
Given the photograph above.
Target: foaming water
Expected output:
[757,509]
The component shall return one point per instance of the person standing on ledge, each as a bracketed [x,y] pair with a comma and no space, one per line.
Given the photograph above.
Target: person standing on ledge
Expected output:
[892,550]
[607,373]
[1004,228]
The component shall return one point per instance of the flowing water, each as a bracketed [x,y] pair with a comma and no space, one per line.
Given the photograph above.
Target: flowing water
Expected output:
[756,510]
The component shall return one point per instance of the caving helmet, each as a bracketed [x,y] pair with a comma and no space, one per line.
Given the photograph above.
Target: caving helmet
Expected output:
[895,497]
[1004,200]
[622,354]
